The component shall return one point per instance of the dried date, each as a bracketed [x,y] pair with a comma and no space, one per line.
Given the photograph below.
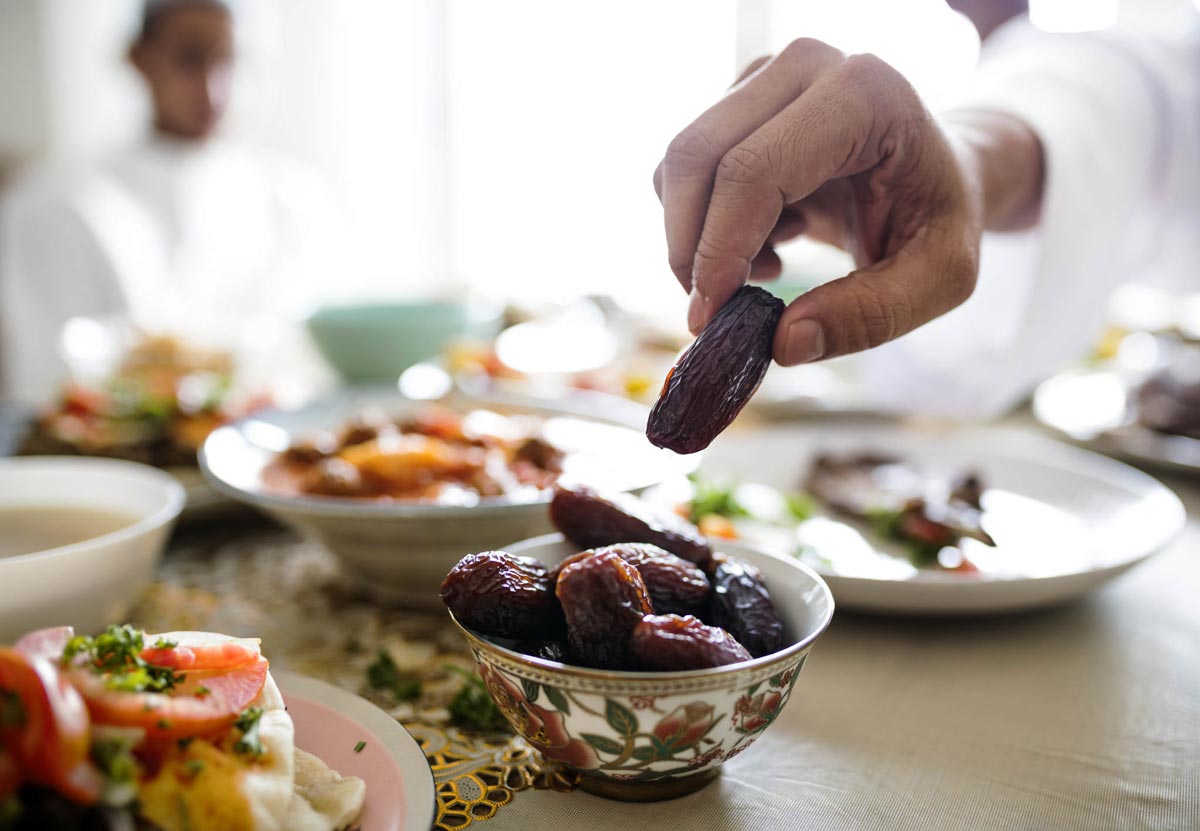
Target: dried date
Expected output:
[604,599]
[741,604]
[717,374]
[675,586]
[498,594]
[590,520]
[552,650]
[671,642]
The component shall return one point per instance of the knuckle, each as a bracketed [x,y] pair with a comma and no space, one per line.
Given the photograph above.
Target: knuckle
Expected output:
[695,148]
[743,166]
[809,48]
[874,80]
[867,66]
[882,317]
[869,76]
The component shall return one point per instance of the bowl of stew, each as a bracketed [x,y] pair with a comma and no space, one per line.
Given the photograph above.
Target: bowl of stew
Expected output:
[398,488]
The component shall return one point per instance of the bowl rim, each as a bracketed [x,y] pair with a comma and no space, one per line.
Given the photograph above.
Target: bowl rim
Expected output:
[173,490]
[583,407]
[590,673]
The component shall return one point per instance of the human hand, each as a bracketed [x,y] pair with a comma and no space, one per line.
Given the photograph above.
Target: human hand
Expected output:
[841,149]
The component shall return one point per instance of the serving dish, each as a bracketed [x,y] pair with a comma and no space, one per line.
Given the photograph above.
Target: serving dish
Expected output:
[330,723]
[1065,521]
[404,548]
[1093,407]
[646,736]
[93,582]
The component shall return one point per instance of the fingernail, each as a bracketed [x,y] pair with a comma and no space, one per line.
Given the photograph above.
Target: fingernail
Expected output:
[804,342]
[696,316]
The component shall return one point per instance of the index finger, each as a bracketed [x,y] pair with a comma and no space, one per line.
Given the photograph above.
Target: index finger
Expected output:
[829,132]
[687,170]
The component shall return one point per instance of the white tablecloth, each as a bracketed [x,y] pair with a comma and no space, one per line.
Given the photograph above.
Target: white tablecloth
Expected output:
[1084,717]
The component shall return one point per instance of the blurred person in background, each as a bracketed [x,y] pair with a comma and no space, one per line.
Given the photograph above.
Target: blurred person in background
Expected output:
[1071,165]
[187,231]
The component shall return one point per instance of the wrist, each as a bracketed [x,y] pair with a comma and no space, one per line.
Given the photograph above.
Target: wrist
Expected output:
[1002,160]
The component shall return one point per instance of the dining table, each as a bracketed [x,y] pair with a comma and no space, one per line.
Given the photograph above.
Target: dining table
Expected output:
[1081,716]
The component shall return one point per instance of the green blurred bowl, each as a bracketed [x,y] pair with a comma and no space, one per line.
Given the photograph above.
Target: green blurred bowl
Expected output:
[378,341]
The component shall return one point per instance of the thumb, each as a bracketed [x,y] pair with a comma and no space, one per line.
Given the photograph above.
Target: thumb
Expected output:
[877,304]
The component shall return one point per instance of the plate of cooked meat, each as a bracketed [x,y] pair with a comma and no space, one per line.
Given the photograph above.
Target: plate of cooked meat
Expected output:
[903,520]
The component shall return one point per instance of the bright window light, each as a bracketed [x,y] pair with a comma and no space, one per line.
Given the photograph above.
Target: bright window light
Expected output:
[1073,15]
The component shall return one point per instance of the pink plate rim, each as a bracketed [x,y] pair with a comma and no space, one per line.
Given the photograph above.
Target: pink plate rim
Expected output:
[390,754]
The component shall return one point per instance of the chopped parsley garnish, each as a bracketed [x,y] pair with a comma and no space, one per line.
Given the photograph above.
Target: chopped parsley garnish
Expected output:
[247,723]
[709,498]
[888,524]
[473,706]
[194,767]
[799,505]
[185,743]
[202,691]
[383,674]
[163,643]
[117,653]
[12,710]
[358,748]
[163,724]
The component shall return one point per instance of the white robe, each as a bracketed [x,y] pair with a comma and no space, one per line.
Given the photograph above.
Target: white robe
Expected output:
[201,239]
[1118,114]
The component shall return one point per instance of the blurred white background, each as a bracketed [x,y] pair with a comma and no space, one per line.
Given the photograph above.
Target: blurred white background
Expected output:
[506,146]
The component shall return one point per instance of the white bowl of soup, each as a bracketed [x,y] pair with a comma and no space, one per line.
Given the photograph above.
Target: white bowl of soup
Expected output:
[79,539]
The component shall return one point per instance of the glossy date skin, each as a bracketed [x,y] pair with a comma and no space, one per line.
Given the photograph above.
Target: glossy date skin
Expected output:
[498,594]
[675,586]
[669,642]
[604,599]
[590,519]
[717,374]
[741,604]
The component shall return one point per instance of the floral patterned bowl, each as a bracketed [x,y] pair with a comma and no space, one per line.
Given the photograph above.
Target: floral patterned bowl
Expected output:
[645,736]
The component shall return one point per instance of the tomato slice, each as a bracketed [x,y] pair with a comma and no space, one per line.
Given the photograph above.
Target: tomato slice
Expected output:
[186,711]
[199,651]
[47,730]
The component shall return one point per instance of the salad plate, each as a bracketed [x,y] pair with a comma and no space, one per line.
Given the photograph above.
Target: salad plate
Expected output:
[358,739]
[1056,521]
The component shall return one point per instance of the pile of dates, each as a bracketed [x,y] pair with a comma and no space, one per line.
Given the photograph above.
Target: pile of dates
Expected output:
[647,593]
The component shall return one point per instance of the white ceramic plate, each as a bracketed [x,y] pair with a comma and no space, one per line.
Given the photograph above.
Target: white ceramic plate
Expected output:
[1091,407]
[330,722]
[822,389]
[1065,520]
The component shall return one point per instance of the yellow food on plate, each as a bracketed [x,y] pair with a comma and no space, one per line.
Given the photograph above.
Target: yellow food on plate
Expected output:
[184,731]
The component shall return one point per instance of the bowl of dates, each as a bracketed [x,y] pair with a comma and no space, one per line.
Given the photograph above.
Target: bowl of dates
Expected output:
[643,665]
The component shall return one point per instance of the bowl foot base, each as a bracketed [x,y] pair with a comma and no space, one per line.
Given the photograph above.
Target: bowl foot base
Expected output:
[648,791]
